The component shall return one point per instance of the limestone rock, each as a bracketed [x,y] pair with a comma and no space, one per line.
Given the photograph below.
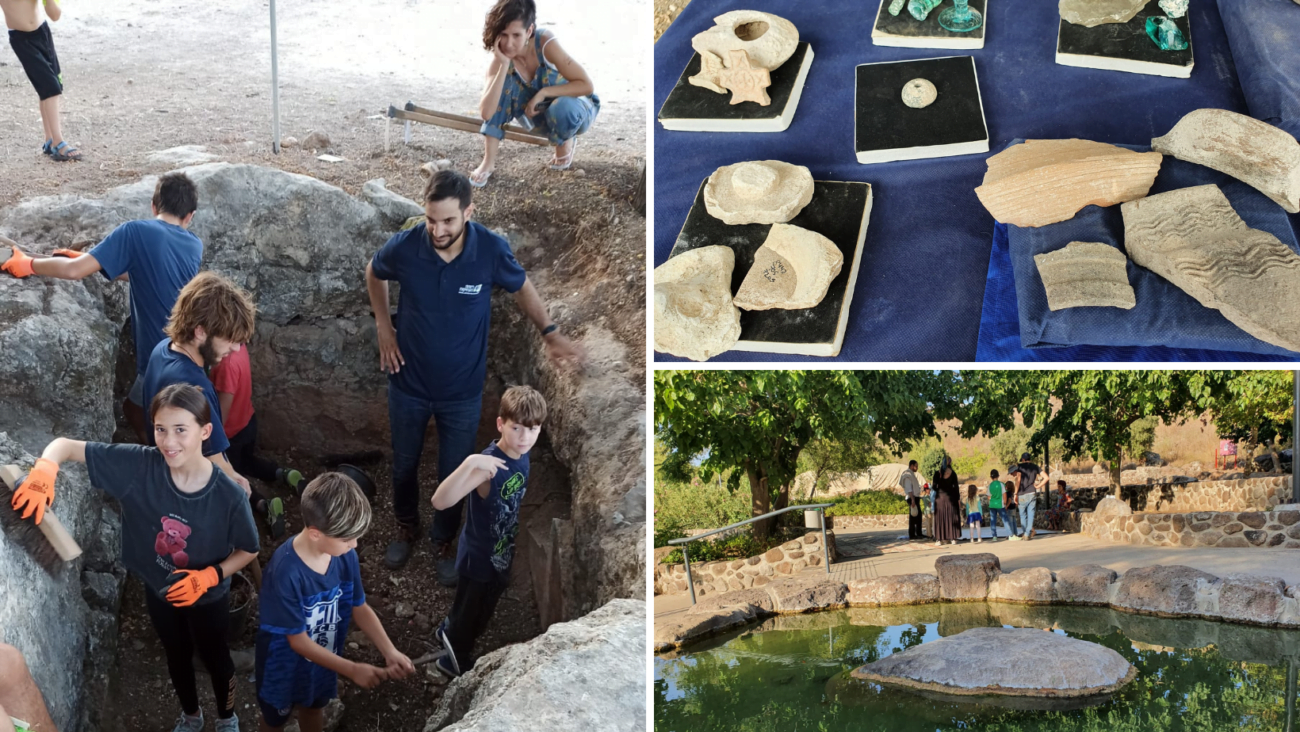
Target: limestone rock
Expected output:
[694,315]
[1162,590]
[531,685]
[919,93]
[1042,182]
[758,192]
[394,209]
[1085,274]
[769,40]
[1245,148]
[894,589]
[792,270]
[288,142]
[1090,13]
[756,598]
[966,576]
[688,626]
[1174,8]
[1111,506]
[1047,665]
[1193,238]
[805,594]
[1085,584]
[1028,585]
[316,141]
[1251,598]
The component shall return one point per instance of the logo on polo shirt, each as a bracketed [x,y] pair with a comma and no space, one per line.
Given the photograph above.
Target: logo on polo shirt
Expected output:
[470,289]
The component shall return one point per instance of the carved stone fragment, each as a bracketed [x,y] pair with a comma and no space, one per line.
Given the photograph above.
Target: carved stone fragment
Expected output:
[758,192]
[710,67]
[768,39]
[792,270]
[694,317]
[919,93]
[1042,182]
[1245,148]
[1090,13]
[1086,273]
[1193,238]
[746,83]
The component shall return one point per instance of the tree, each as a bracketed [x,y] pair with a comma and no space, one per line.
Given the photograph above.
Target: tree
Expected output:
[1094,411]
[828,458]
[757,423]
[1251,404]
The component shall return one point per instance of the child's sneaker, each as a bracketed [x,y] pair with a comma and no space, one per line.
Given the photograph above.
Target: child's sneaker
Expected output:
[227,725]
[443,664]
[189,724]
[446,662]
[1013,538]
[275,517]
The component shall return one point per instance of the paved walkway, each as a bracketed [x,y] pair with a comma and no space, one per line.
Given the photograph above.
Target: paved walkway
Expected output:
[1054,551]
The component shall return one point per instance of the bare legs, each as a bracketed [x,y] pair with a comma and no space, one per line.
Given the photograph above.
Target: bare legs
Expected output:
[19,696]
[485,168]
[50,119]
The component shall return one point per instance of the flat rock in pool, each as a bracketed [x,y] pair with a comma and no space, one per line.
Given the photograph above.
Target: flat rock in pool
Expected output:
[1047,665]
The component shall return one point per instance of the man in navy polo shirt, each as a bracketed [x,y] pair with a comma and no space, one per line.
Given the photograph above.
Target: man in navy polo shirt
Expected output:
[436,352]
[158,255]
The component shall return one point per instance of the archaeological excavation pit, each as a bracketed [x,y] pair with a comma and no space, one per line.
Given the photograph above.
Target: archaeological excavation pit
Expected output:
[300,247]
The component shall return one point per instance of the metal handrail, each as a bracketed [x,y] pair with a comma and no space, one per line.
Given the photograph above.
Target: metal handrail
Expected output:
[821,509]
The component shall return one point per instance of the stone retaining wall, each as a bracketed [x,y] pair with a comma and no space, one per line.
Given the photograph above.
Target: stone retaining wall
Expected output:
[1166,591]
[1254,494]
[1266,529]
[862,523]
[788,559]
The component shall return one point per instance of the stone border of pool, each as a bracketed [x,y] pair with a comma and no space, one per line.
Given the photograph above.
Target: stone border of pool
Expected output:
[1172,591]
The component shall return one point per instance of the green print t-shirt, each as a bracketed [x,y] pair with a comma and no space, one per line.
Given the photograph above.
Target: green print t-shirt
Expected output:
[995,494]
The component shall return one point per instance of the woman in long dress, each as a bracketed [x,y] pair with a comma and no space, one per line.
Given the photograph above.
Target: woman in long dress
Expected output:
[946,498]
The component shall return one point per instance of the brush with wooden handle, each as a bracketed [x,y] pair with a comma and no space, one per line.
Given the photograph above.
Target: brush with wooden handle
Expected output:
[56,538]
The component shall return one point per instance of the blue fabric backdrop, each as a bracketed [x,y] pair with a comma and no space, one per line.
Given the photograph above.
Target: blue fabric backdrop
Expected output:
[927,258]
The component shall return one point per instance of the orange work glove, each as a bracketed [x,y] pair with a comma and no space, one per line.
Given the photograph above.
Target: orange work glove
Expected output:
[69,253]
[188,585]
[36,492]
[19,265]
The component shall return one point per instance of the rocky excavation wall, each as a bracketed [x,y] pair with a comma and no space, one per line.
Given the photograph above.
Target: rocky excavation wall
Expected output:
[300,246]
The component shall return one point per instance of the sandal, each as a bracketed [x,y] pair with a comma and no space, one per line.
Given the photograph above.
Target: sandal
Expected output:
[63,152]
[564,163]
[48,147]
[480,182]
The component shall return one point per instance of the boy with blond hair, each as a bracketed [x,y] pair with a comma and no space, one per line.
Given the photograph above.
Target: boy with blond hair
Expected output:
[311,592]
[494,481]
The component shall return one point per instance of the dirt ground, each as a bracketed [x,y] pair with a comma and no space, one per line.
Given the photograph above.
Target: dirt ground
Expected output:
[141,76]
[409,603]
[666,12]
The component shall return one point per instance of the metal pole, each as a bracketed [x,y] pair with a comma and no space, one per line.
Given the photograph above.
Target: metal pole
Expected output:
[826,548]
[275,87]
[689,582]
[1295,437]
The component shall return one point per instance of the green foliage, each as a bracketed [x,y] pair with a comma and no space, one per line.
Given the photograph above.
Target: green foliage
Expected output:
[866,503]
[1142,436]
[968,465]
[928,457]
[737,546]
[827,458]
[1010,445]
[692,504]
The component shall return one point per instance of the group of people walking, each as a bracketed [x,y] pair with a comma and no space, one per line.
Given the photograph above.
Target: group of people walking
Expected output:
[1010,502]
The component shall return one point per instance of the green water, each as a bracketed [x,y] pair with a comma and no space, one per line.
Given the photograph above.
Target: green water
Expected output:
[791,673]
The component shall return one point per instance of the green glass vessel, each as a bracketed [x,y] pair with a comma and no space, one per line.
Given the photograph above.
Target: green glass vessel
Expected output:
[1165,33]
[960,18]
[921,8]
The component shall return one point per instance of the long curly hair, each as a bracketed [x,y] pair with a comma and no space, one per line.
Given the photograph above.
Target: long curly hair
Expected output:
[503,14]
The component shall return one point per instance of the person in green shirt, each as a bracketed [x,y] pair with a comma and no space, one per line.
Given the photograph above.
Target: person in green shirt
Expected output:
[996,506]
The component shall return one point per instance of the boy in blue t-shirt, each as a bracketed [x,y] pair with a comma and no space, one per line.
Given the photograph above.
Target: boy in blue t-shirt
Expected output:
[495,481]
[159,256]
[311,591]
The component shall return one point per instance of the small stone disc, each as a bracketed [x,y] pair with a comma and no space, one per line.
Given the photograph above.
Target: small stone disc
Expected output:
[919,93]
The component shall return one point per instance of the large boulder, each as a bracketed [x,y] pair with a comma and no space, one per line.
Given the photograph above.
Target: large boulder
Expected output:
[1033,585]
[894,589]
[584,674]
[966,576]
[1165,590]
[1251,598]
[1085,584]
[804,595]
[1047,665]
[1111,506]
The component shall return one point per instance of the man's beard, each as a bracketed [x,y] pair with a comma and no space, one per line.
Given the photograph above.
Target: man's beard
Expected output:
[208,353]
[450,241]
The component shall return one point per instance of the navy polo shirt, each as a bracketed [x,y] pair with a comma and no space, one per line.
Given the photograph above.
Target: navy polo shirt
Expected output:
[444,309]
[160,258]
[167,367]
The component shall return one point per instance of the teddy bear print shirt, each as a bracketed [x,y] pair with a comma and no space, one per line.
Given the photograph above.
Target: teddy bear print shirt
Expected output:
[163,529]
